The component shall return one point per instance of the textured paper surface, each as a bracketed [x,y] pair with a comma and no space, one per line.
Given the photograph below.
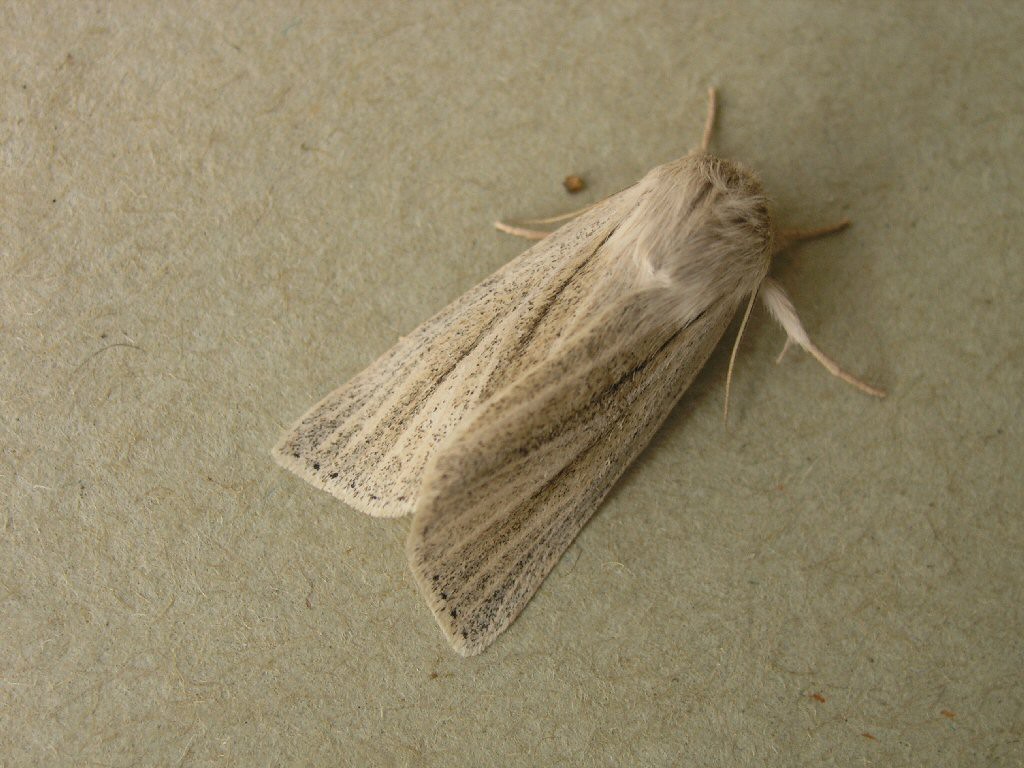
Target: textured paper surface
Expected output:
[213,214]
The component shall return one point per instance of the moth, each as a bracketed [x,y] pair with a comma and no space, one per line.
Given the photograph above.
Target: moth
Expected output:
[502,422]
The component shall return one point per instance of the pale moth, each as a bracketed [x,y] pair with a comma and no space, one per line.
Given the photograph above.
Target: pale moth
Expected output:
[502,422]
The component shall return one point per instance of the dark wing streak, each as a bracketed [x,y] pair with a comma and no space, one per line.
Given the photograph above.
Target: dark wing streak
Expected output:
[495,342]
[403,405]
[553,445]
[641,382]
[348,443]
[407,360]
[460,535]
[514,531]
[561,432]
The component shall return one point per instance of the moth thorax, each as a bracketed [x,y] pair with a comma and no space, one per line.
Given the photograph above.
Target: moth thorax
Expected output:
[703,227]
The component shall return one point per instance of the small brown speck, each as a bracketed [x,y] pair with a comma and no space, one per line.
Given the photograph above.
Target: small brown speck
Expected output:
[867,735]
[574,184]
[948,713]
[818,698]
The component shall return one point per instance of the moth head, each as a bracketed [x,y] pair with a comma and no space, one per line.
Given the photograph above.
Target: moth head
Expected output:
[702,228]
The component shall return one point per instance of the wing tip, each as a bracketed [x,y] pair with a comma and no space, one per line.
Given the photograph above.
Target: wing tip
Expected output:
[463,638]
[305,468]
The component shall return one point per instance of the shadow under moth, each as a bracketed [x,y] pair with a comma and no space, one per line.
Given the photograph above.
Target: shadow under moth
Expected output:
[502,422]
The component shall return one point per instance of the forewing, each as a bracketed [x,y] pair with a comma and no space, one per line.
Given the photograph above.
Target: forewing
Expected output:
[518,481]
[368,442]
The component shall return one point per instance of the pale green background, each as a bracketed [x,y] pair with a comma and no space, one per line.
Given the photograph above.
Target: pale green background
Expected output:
[212,214]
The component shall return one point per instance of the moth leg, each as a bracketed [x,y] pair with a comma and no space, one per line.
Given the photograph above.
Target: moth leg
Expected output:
[709,121]
[540,234]
[565,216]
[735,349]
[529,234]
[786,237]
[781,308]
[785,349]
[709,127]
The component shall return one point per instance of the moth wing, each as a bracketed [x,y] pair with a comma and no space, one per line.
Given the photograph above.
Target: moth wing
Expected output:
[518,481]
[367,443]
